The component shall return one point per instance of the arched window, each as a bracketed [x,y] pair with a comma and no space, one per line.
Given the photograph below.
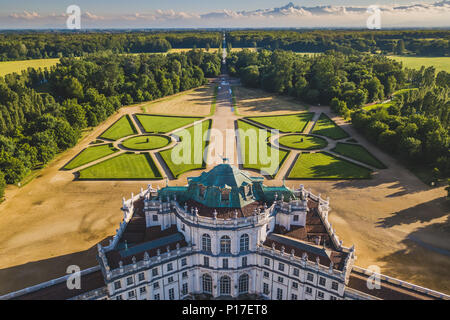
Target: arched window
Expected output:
[244,243]
[207,283]
[225,286]
[225,244]
[206,242]
[243,283]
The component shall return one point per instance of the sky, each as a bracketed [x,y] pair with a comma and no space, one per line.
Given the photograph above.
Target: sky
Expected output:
[20,14]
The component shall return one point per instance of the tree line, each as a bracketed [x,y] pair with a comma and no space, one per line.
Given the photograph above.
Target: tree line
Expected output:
[417,42]
[37,45]
[42,112]
[415,125]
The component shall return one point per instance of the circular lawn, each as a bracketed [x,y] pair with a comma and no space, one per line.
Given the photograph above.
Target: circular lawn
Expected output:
[302,142]
[147,142]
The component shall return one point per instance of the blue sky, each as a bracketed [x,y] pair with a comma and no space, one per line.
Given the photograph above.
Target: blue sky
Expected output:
[19,14]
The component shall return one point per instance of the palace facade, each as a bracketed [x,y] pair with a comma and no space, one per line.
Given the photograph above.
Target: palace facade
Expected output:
[226,236]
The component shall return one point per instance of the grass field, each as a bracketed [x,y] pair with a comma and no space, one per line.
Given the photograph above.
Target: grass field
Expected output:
[253,158]
[301,142]
[124,166]
[322,165]
[287,123]
[90,154]
[358,153]
[149,142]
[194,161]
[121,128]
[163,124]
[7,67]
[326,127]
[377,106]
[440,63]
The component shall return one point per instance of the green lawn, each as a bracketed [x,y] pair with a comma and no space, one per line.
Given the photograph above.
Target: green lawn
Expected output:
[378,105]
[322,165]
[163,124]
[119,129]
[90,154]
[125,166]
[302,142]
[359,153]
[289,123]
[187,147]
[148,142]
[326,127]
[440,63]
[253,158]
[7,67]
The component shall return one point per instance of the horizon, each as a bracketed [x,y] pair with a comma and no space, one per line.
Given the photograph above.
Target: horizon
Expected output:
[268,14]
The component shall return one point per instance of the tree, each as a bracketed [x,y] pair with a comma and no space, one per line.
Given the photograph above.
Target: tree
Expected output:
[2,185]
[250,76]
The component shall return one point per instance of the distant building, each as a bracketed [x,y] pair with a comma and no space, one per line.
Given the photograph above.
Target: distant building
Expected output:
[226,235]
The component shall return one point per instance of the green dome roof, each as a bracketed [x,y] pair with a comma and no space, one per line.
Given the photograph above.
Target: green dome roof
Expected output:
[224,175]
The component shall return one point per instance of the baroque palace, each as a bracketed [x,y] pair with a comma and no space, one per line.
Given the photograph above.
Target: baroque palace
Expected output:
[226,235]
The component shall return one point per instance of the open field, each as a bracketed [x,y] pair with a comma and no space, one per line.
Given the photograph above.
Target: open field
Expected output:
[256,102]
[322,165]
[395,221]
[193,160]
[253,157]
[124,166]
[7,67]
[163,124]
[195,102]
[359,153]
[147,142]
[122,128]
[439,63]
[302,142]
[286,123]
[91,154]
[326,127]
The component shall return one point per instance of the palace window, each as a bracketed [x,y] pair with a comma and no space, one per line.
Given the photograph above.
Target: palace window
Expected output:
[266,261]
[169,267]
[184,289]
[117,285]
[225,244]
[142,290]
[310,277]
[155,217]
[320,294]
[171,294]
[156,285]
[183,262]
[266,274]
[265,288]
[206,261]
[333,298]
[170,280]
[334,285]
[279,294]
[225,263]
[293,297]
[207,283]
[244,261]
[308,290]
[206,242]
[296,272]
[154,272]
[225,286]
[244,243]
[225,194]
[295,285]
[296,217]
[141,276]
[243,283]
[131,294]
[281,266]
[156,297]
[322,281]
[184,274]
[280,279]
[119,297]
[129,281]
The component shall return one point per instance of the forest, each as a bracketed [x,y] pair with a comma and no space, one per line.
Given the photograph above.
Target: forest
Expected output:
[38,45]
[43,113]
[416,42]
[414,125]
